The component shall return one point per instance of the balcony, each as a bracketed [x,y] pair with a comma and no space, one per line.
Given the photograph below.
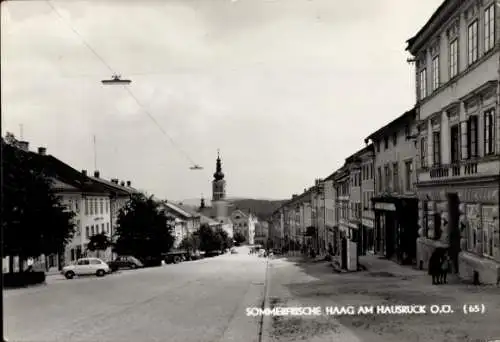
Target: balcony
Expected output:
[463,169]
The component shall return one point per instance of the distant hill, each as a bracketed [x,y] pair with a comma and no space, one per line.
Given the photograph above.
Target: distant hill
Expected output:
[260,207]
[263,208]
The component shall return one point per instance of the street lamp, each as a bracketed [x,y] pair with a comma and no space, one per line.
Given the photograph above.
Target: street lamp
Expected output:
[116,79]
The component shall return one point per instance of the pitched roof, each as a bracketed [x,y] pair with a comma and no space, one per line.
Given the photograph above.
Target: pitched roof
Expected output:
[240,212]
[177,209]
[121,190]
[397,123]
[207,220]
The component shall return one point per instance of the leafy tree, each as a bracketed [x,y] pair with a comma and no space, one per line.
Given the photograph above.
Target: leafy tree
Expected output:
[223,238]
[143,230]
[239,238]
[99,242]
[190,243]
[34,221]
[209,240]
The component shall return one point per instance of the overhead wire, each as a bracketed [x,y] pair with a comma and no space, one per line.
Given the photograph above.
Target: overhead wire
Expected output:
[127,89]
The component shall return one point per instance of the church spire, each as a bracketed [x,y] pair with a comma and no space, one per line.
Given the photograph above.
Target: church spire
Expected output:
[218,175]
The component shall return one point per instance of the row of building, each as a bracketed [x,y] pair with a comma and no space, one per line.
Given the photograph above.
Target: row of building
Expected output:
[430,178]
[96,203]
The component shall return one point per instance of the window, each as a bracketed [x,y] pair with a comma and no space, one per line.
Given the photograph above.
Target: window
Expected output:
[489,140]
[472,52]
[91,205]
[92,231]
[386,143]
[489,28]
[454,58]
[102,228]
[407,132]
[464,131]
[395,139]
[387,181]
[423,152]
[101,205]
[107,227]
[436,148]
[455,144]
[435,73]
[95,262]
[423,83]
[86,206]
[408,175]
[377,145]
[425,222]
[107,206]
[472,137]
[83,262]
[395,177]
[379,176]
[87,232]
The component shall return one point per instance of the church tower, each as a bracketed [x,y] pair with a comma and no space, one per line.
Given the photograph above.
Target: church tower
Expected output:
[218,184]
[219,203]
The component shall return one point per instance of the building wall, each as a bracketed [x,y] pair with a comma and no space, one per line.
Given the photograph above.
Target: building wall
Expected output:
[368,191]
[401,153]
[453,103]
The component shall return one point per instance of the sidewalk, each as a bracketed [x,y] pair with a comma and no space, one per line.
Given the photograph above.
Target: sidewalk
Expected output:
[384,282]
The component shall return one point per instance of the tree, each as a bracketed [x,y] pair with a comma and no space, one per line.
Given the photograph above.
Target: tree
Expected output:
[34,221]
[190,243]
[99,242]
[239,238]
[223,238]
[143,230]
[209,240]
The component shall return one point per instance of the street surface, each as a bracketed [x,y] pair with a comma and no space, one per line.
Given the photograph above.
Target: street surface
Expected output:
[294,282]
[203,300]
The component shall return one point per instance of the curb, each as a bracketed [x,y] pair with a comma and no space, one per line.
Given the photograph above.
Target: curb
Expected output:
[266,323]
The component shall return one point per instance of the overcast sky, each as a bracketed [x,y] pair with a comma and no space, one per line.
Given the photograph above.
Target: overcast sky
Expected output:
[286,89]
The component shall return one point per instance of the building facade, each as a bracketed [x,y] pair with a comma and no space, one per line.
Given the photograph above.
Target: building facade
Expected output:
[367,164]
[395,203]
[244,223]
[186,221]
[261,233]
[457,67]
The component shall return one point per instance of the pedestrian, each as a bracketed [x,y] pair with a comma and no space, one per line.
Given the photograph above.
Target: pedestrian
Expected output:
[435,266]
[445,267]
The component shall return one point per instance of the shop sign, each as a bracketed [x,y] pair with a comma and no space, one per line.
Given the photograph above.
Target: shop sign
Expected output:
[385,206]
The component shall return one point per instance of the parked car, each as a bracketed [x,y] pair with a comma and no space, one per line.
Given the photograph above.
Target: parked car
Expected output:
[152,261]
[125,261]
[234,251]
[86,266]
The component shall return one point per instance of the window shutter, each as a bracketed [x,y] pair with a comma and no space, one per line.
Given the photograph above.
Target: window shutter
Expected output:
[464,139]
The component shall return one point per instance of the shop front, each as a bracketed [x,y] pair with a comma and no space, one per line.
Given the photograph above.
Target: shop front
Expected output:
[396,228]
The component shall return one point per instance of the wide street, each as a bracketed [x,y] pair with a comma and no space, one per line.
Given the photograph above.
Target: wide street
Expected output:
[205,300]
[202,300]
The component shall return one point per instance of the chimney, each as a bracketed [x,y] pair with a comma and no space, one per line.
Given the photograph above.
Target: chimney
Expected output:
[84,172]
[96,174]
[122,183]
[42,151]
[24,145]
[129,184]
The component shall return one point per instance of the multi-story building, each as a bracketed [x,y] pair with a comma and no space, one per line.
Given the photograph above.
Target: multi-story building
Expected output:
[341,184]
[244,223]
[457,66]
[330,221]
[187,221]
[262,233]
[395,203]
[361,190]
[367,162]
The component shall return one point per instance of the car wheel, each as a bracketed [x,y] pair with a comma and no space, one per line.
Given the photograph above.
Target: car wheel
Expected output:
[177,260]
[132,266]
[69,275]
[100,273]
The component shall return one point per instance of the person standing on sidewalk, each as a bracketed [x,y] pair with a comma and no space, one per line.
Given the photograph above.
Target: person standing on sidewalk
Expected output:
[435,267]
[445,268]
